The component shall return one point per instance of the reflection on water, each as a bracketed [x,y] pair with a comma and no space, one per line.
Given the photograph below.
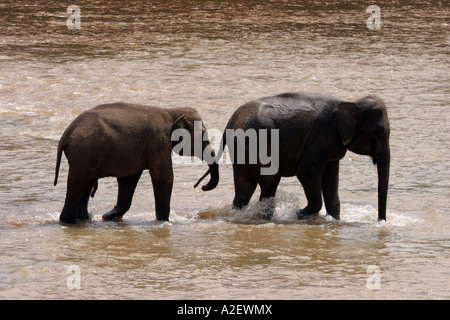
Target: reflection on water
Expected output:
[214,56]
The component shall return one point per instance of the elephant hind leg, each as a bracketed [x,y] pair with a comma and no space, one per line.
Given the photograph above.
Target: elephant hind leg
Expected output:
[311,182]
[82,212]
[77,195]
[127,186]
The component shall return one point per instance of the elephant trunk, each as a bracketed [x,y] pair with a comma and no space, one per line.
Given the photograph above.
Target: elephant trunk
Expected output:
[213,171]
[213,181]
[383,165]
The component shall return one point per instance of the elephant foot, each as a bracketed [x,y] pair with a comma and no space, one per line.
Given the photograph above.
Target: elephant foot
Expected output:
[335,215]
[68,216]
[114,214]
[65,220]
[83,216]
[304,215]
[266,214]
[268,208]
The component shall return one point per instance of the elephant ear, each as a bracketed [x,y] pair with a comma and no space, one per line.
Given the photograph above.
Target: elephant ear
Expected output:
[177,124]
[343,119]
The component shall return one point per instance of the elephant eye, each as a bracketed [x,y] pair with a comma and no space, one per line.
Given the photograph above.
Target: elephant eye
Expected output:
[378,126]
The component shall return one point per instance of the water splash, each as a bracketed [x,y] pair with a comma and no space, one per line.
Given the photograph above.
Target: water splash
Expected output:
[287,204]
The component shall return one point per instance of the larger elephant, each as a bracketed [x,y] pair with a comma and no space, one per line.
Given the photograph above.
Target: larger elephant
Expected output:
[122,140]
[315,132]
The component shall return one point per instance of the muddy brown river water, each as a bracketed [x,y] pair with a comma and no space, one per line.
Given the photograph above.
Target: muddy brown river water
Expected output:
[215,56]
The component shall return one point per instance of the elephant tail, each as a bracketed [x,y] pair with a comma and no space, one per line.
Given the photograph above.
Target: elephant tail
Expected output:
[61,146]
[58,163]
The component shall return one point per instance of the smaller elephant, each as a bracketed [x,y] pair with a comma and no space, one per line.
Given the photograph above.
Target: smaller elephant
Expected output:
[315,132]
[122,140]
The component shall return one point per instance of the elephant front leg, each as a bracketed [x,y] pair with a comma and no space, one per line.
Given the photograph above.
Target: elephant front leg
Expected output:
[162,192]
[162,180]
[330,183]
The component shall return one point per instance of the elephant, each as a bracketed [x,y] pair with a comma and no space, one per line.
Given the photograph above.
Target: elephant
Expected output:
[315,132]
[122,140]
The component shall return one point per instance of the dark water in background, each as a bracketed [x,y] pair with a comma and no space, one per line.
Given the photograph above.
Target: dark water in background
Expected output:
[214,56]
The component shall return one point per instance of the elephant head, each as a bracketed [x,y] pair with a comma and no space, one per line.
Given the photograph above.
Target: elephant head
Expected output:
[194,143]
[364,129]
